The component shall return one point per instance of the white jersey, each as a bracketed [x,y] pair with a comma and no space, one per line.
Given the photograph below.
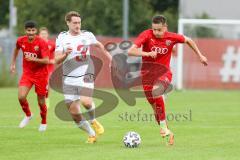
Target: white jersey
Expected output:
[78,62]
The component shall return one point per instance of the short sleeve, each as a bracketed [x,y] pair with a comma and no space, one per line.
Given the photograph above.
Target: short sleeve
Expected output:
[18,46]
[178,38]
[141,39]
[59,44]
[44,49]
[92,38]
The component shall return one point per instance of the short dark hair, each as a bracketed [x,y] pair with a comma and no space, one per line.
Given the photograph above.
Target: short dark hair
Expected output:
[159,19]
[30,24]
[71,14]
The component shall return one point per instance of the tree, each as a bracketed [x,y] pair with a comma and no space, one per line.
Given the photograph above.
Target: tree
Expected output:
[102,17]
[4,12]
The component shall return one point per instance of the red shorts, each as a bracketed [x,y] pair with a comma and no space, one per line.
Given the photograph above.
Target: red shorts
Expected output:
[40,83]
[148,83]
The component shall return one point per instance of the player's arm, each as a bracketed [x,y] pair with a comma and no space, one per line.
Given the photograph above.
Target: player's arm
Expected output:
[44,60]
[61,52]
[136,51]
[60,56]
[104,51]
[196,50]
[13,61]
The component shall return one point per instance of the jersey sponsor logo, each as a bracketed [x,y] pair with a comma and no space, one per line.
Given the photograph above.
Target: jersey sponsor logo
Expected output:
[29,54]
[36,48]
[159,50]
[23,46]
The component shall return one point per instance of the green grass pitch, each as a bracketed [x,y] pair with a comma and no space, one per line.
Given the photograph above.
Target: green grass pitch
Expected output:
[206,126]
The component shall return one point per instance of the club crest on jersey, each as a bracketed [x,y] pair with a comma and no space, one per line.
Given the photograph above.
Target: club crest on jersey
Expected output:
[49,47]
[168,42]
[36,48]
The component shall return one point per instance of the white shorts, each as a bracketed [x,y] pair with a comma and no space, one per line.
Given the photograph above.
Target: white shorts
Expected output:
[74,87]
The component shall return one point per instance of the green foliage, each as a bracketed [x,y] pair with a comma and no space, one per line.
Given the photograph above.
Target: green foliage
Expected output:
[6,79]
[102,17]
[4,12]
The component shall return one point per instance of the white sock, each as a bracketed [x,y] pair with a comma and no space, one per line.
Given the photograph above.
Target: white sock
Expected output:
[85,126]
[163,124]
[92,118]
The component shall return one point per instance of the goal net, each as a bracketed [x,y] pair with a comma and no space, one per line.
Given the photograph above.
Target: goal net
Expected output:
[219,41]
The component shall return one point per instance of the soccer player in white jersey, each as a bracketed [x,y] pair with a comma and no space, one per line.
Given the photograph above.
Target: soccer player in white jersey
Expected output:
[72,49]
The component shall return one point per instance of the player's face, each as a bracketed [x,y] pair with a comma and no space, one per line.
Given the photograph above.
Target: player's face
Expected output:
[31,32]
[44,34]
[74,25]
[159,29]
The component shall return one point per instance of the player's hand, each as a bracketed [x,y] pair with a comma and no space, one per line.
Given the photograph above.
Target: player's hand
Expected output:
[68,50]
[152,54]
[31,59]
[13,68]
[203,60]
[52,61]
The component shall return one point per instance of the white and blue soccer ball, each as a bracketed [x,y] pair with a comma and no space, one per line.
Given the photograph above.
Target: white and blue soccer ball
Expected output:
[132,139]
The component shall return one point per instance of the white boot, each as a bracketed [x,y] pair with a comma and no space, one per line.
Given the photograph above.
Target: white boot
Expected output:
[25,121]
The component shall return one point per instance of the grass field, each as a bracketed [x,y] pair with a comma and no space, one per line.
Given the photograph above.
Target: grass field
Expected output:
[206,126]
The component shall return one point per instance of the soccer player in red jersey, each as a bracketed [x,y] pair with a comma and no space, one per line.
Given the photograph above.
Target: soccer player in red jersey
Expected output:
[35,72]
[157,44]
[44,34]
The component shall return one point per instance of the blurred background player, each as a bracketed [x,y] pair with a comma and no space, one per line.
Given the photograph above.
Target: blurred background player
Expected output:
[73,50]
[157,44]
[44,34]
[35,72]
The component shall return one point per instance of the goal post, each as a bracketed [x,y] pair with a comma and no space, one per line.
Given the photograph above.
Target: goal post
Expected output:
[182,23]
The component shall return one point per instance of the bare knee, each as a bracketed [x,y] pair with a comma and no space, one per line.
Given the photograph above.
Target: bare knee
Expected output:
[41,100]
[87,103]
[73,108]
[158,91]
[22,97]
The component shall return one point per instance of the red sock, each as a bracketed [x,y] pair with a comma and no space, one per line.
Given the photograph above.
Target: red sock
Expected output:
[43,113]
[25,107]
[159,108]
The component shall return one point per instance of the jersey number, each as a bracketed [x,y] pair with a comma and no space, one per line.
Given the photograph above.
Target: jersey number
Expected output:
[83,51]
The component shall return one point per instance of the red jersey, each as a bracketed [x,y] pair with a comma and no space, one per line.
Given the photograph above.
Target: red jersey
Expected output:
[163,46]
[51,47]
[37,48]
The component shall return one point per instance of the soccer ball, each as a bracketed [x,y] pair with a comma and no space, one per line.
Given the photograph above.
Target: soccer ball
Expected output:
[132,139]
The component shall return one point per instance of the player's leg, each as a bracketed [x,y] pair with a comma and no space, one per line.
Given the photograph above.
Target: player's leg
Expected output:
[47,96]
[41,90]
[43,112]
[74,110]
[88,103]
[159,105]
[152,101]
[72,101]
[25,85]
[86,93]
